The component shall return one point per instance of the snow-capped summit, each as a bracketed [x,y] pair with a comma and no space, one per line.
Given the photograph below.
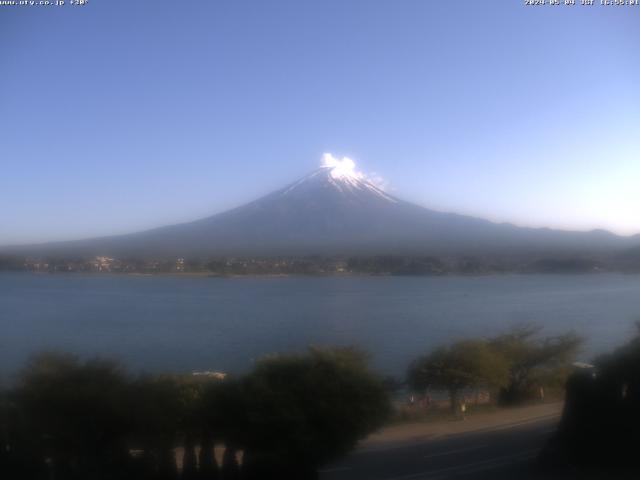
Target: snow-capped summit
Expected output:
[327,179]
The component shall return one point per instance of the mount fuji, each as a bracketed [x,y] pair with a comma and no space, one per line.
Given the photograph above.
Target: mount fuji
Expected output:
[336,210]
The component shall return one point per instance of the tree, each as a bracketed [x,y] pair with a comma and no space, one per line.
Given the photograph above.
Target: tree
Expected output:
[601,417]
[77,414]
[223,419]
[195,395]
[157,412]
[462,365]
[305,410]
[21,454]
[534,362]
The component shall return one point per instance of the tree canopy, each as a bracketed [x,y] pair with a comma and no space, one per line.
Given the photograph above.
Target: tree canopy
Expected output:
[515,363]
[75,412]
[304,410]
[534,361]
[462,365]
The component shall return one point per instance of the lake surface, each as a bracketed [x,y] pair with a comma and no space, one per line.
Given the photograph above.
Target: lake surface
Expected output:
[157,323]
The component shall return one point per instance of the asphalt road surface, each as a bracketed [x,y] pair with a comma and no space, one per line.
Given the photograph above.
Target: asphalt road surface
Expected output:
[503,452]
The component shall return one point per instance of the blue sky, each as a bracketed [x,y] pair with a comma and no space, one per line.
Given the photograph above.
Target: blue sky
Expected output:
[124,115]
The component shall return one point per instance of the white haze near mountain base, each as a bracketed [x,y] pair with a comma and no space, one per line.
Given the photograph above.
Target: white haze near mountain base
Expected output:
[346,168]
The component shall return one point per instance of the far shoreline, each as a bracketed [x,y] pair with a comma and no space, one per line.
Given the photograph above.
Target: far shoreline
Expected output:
[188,275]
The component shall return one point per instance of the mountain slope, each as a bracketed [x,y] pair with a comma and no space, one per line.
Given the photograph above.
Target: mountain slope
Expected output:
[333,211]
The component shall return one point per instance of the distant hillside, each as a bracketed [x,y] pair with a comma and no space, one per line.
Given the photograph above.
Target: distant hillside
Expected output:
[331,211]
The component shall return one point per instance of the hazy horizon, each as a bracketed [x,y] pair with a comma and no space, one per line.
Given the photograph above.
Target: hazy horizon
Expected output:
[378,181]
[121,123]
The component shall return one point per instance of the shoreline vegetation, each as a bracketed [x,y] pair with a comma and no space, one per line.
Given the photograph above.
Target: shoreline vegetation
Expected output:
[376,265]
[67,418]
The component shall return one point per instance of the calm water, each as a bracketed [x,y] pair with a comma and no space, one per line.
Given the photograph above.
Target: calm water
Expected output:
[184,324]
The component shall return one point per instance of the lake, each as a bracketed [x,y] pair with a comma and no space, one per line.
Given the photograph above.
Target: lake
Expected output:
[180,324]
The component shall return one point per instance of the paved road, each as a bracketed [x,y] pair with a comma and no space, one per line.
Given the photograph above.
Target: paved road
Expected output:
[505,452]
